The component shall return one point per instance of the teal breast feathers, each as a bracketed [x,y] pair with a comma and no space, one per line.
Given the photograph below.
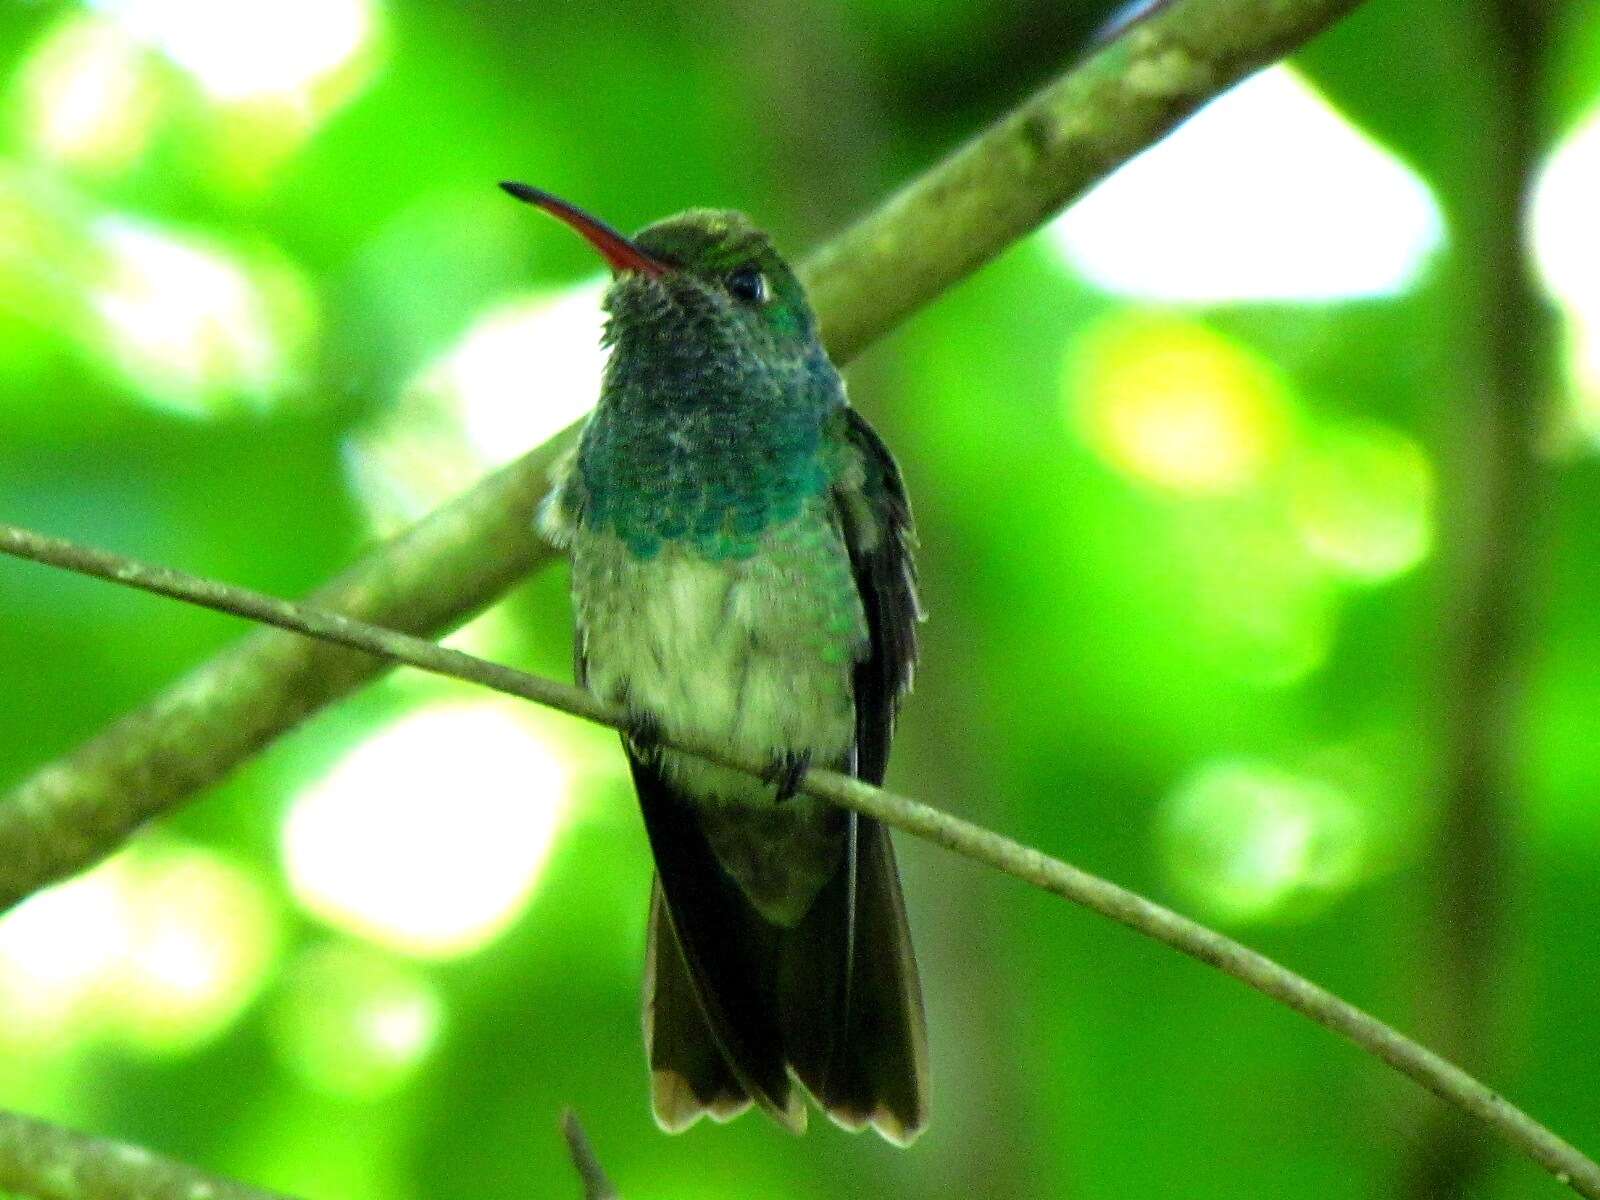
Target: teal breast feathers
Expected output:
[714,490]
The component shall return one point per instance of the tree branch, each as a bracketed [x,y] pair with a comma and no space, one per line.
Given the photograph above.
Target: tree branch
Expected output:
[1492,485]
[959,215]
[983,846]
[46,1162]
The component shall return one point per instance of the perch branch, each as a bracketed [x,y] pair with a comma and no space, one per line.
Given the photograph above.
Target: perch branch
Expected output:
[959,215]
[983,846]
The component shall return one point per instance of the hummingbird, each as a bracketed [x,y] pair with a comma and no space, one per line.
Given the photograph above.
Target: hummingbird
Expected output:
[742,574]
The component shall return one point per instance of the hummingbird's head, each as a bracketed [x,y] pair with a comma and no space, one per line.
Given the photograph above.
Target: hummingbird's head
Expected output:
[706,281]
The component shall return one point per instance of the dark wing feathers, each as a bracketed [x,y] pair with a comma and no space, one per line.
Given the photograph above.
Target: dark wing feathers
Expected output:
[876,1070]
[876,520]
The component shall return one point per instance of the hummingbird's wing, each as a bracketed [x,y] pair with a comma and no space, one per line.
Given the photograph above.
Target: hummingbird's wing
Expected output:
[876,517]
[864,1054]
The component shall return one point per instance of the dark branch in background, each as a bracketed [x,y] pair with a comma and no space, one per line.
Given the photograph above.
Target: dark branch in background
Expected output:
[983,846]
[945,225]
[1492,483]
[46,1162]
[596,1185]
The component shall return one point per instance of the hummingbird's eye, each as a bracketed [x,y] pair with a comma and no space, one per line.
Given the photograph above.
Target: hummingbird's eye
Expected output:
[747,284]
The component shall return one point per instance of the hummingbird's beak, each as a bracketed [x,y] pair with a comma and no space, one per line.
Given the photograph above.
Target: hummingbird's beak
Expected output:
[619,251]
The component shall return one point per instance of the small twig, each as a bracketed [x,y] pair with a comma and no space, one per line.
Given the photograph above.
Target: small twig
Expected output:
[955,217]
[46,1162]
[983,846]
[596,1185]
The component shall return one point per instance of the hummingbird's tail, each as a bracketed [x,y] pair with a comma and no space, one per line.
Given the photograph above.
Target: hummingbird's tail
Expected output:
[851,1009]
[737,1008]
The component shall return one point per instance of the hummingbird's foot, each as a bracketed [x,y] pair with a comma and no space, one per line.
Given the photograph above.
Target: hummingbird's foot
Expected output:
[643,734]
[785,772]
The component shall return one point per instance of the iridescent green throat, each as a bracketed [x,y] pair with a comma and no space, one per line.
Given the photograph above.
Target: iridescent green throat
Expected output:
[708,462]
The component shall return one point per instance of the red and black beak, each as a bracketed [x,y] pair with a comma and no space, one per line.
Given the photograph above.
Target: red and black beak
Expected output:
[619,251]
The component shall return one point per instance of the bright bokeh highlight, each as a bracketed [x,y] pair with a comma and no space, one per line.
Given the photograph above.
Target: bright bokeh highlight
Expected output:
[355,1023]
[161,948]
[250,49]
[1566,252]
[1175,404]
[57,949]
[1361,496]
[527,370]
[520,373]
[194,327]
[429,836]
[87,96]
[1251,841]
[1267,193]
[204,933]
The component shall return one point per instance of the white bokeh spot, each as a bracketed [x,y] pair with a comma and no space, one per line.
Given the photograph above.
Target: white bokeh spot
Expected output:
[429,836]
[250,49]
[1267,193]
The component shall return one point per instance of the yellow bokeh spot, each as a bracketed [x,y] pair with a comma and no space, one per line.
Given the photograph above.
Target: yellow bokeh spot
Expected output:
[354,1023]
[1362,498]
[88,95]
[429,836]
[1173,403]
[1583,338]
[1250,841]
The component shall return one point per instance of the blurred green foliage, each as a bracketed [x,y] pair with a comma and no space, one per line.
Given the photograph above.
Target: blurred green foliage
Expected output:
[260,301]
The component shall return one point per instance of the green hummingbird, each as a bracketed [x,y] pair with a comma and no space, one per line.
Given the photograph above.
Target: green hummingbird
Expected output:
[742,573]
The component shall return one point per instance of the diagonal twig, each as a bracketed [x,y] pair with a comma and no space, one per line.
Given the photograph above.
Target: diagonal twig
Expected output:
[983,846]
[597,1184]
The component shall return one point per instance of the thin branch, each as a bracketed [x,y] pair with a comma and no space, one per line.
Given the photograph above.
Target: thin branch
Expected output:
[945,225]
[46,1162]
[983,846]
[596,1184]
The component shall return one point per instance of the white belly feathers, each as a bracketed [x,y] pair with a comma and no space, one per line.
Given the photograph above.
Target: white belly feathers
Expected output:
[754,653]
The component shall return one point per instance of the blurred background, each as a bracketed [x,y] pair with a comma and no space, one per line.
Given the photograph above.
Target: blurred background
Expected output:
[1192,467]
